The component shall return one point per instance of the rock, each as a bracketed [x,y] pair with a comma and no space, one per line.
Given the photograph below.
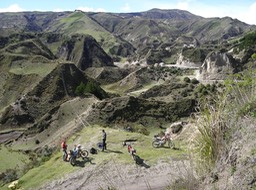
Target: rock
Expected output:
[176,127]
[13,185]
[217,65]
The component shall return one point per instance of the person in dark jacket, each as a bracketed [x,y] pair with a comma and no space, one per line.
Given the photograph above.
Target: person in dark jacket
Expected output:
[104,138]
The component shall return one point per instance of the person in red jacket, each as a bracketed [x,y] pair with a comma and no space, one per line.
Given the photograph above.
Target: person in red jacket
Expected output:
[64,147]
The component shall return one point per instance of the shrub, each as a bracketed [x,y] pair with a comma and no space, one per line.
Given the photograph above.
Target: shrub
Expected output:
[248,41]
[141,129]
[187,80]
[194,81]
[90,87]
[8,176]
[80,89]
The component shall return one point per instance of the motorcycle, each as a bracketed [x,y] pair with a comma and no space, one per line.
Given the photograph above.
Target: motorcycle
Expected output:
[79,154]
[161,141]
[133,154]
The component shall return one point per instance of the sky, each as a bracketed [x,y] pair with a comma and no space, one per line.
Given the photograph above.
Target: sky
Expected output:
[243,10]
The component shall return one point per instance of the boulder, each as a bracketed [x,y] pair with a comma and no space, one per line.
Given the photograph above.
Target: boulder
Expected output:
[176,127]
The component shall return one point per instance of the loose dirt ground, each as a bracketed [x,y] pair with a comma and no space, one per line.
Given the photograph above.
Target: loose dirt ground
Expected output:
[122,176]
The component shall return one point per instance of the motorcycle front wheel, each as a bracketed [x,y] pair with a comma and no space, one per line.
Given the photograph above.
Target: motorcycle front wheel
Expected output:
[84,153]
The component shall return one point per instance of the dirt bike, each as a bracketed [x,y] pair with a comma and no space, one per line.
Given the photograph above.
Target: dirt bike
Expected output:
[161,141]
[132,152]
[136,158]
[80,154]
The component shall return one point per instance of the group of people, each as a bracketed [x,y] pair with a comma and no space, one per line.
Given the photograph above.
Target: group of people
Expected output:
[64,147]
[76,149]
[103,145]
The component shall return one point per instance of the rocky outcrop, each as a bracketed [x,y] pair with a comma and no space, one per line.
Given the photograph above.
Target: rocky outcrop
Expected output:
[217,66]
[185,61]
[135,110]
[191,54]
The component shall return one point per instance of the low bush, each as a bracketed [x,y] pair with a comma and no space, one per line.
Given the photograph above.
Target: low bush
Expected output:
[186,79]
[8,176]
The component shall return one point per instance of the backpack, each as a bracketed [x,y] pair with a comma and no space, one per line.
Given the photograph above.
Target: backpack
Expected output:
[93,151]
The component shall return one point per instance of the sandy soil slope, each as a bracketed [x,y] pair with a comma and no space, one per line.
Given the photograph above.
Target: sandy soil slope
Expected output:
[122,176]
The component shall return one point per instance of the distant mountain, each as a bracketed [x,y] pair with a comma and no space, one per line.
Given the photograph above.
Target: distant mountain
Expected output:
[163,14]
[120,34]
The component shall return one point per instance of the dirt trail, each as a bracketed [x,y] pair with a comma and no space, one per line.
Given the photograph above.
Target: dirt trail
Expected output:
[121,176]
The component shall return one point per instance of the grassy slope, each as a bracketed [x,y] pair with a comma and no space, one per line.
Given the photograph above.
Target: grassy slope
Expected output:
[88,137]
[42,69]
[15,159]
[79,23]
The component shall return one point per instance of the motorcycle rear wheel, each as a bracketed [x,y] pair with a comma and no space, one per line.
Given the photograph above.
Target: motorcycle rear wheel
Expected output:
[155,144]
[72,161]
[171,144]
[64,157]
[137,159]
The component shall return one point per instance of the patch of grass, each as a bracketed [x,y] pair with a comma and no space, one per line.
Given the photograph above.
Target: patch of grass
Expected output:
[210,140]
[112,88]
[233,170]
[42,69]
[253,151]
[121,90]
[11,159]
[52,169]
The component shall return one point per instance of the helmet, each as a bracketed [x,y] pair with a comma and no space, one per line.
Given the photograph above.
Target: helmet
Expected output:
[78,146]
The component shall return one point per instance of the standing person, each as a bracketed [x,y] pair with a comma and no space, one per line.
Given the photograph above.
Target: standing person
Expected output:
[104,138]
[64,147]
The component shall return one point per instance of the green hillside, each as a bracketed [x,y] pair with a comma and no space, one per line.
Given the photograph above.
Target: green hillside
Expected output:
[80,23]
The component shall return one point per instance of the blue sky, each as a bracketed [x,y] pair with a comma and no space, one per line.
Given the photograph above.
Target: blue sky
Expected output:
[243,10]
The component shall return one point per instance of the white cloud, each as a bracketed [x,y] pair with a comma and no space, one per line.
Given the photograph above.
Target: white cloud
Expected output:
[126,7]
[89,9]
[59,10]
[242,13]
[12,8]
[178,4]
[249,15]
[182,5]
